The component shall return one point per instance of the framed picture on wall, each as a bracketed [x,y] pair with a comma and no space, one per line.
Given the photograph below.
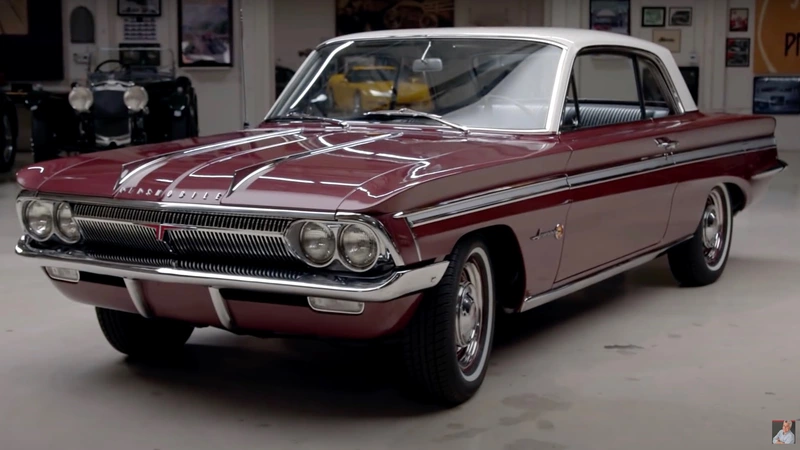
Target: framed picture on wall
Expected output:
[739,19]
[670,39]
[776,95]
[610,15]
[680,17]
[654,16]
[691,74]
[737,52]
[151,8]
[205,33]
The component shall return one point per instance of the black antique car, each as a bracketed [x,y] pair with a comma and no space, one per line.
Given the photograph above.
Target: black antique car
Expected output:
[132,96]
[9,132]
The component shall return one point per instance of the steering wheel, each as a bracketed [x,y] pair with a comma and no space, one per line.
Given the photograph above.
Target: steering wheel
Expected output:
[110,61]
[519,105]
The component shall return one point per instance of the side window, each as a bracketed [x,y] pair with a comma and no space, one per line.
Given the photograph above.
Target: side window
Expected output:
[612,88]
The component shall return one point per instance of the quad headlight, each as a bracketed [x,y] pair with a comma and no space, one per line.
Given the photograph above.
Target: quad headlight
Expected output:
[358,246]
[135,98]
[355,246]
[42,219]
[81,98]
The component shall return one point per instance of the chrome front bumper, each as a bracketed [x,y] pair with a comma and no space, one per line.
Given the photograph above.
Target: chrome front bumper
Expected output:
[395,285]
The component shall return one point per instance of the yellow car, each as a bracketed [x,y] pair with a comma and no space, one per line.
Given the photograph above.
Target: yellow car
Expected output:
[369,88]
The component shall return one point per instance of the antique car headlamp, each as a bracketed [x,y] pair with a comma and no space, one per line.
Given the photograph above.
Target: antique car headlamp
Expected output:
[358,246]
[38,219]
[317,242]
[66,225]
[80,98]
[135,98]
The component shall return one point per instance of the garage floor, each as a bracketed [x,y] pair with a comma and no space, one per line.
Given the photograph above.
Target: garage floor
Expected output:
[687,368]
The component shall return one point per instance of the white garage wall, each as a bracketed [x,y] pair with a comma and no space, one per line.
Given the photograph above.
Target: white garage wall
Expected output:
[722,89]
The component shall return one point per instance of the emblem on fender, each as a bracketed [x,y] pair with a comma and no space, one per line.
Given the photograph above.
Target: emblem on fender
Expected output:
[557,232]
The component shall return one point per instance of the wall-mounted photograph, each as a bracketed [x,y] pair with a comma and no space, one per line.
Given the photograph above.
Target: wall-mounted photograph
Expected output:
[139,7]
[680,17]
[205,30]
[739,19]
[776,95]
[654,16]
[670,39]
[737,52]
[610,15]
[353,16]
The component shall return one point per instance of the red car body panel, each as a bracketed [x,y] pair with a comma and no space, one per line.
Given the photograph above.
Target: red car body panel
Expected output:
[390,171]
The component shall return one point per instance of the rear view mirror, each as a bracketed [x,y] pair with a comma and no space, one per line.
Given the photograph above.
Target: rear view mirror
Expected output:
[427,65]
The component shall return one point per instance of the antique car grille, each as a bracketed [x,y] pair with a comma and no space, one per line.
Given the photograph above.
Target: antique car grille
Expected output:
[110,114]
[158,234]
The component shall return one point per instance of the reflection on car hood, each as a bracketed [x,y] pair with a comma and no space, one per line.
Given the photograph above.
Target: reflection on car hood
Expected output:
[281,167]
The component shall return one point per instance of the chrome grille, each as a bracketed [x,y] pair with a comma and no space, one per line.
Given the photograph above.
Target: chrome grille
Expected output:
[186,235]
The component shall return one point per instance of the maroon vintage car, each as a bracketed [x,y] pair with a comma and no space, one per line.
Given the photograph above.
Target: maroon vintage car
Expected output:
[545,160]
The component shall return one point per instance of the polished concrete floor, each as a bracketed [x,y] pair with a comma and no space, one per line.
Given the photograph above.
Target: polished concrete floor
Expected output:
[633,363]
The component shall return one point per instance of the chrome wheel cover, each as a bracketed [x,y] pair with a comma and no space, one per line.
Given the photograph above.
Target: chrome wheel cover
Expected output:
[8,146]
[473,314]
[715,229]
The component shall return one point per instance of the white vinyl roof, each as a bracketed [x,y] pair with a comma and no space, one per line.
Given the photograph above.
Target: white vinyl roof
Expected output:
[573,39]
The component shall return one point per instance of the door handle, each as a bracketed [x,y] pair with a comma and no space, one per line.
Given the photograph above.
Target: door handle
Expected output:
[666,143]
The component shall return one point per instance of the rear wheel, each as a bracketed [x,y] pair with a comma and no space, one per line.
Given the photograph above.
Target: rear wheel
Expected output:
[701,260]
[137,336]
[448,341]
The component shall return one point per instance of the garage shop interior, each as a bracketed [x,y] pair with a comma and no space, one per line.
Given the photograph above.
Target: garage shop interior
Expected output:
[399,224]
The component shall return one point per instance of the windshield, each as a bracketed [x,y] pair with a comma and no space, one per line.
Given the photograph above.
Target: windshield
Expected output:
[134,63]
[477,83]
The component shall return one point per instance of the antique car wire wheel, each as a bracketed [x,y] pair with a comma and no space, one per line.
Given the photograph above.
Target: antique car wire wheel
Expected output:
[473,313]
[8,138]
[715,229]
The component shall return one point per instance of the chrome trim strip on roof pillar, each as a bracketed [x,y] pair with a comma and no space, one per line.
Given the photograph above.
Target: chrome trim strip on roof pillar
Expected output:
[394,285]
[510,194]
[137,297]
[221,307]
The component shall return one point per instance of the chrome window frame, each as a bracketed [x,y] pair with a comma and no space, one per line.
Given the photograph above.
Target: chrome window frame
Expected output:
[551,124]
[386,244]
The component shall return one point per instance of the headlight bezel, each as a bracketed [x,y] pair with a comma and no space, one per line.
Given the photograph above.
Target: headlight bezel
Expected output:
[53,207]
[72,98]
[338,261]
[144,99]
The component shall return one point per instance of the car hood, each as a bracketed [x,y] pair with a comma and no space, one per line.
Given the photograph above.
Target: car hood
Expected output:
[282,167]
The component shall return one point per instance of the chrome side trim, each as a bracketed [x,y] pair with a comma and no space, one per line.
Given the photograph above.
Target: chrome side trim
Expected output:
[511,194]
[137,297]
[769,173]
[546,297]
[389,287]
[221,307]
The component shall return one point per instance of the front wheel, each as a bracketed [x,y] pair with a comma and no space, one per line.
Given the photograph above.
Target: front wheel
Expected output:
[701,260]
[137,336]
[448,341]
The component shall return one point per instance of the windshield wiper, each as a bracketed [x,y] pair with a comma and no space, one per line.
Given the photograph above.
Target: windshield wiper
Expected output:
[407,112]
[301,116]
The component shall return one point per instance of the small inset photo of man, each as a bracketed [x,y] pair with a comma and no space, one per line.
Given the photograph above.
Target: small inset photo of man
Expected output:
[783,431]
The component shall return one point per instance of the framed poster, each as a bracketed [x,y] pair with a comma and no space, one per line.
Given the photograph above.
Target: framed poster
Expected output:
[776,49]
[654,16]
[691,75]
[150,8]
[205,33]
[737,52]
[680,17]
[353,16]
[739,18]
[610,15]
[776,95]
[670,39]
[31,32]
